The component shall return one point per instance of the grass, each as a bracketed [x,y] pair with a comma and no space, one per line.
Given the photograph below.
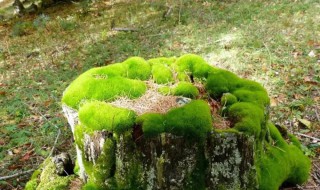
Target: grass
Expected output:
[267,41]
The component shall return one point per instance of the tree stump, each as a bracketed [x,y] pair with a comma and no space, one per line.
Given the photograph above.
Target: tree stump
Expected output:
[177,123]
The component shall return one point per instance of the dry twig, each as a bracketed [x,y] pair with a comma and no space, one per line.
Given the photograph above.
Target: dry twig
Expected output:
[16,175]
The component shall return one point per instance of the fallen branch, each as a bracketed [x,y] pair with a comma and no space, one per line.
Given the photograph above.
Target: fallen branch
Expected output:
[16,175]
[55,143]
[310,137]
[125,29]
[317,115]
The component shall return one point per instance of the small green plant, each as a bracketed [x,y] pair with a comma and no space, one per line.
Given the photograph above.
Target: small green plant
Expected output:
[97,54]
[41,21]
[20,28]
[68,24]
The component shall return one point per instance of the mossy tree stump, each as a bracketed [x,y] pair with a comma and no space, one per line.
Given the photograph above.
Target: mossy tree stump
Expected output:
[177,123]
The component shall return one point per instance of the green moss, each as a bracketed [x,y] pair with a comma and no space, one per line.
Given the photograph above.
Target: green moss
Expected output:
[138,68]
[194,64]
[197,178]
[116,69]
[161,73]
[79,131]
[191,120]
[162,60]
[133,177]
[97,115]
[257,97]
[76,168]
[90,87]
[221,81]
[282,163]
[31,185]
[165,90]
[247,118]
[50,180]
[36,174]
[186,89]
[102,169]
[228,99]
[152,124]
[183,76]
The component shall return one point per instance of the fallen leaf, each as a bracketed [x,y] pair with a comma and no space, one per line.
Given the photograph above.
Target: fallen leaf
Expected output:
[273,102]
[16,150]
[2,142]
[297,96]
[305,123]
[26,156]
[47,103]
[309,80]
[2,93]
[14,167]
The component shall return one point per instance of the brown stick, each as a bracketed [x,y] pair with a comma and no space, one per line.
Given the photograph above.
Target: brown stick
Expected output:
[125,29]
[16,175]
[303,135]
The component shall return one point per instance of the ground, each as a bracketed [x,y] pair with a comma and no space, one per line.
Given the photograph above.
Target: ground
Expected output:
[274,43]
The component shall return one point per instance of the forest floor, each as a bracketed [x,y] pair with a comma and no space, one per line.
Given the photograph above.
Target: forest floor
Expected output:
[276,43]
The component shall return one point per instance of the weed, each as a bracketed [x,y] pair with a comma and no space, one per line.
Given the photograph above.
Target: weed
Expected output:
[97,55]
[68,24]
[41,21]
[20,28]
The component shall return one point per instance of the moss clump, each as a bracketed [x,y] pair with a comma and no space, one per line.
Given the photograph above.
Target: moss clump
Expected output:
[138,68]
[162,73]
[91,87]
[256,97]
[152,124]
[194,65]
[97,115]
[186,89]
[34,180]
[32,184]
[109,82]
[162,60]
[116,69]
[281,163]
[247,118]
[48,179]
[221,81]
[192,120]
[165,90]
[228,99]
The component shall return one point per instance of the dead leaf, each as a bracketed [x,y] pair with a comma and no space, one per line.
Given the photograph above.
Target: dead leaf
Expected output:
[297,96]
[305,123]
[22,124]
[273,102]
[47,103]
[16,150]
[2,93]
[26,156]
[309,80]
[14,167]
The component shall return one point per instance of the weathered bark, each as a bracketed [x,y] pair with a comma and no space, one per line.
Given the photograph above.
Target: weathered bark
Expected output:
[224,160]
